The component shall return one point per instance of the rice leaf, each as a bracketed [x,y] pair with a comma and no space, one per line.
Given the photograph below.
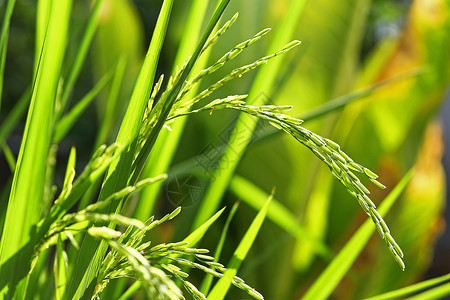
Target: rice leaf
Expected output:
[10,159]
[221,287]
[439,292]
[75,68]
[207,281]
[67,121]
[4,42]
[415,288]
[277,213]
[197,234]
[332,275]
[13,118]
[60,270]
[29,178]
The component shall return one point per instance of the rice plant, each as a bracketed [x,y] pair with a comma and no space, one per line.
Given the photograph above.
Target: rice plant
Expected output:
[81,240]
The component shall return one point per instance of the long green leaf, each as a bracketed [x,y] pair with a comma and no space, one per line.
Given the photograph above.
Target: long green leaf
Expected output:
[197,234]
[107,123]
[68,120]
[221,288]
[42,20]
[332,275]
[439,292]
[315,219]
[70,168]
[280,215]
[414,288]
[207,281]
[4,42]
[82,51]
[131,290]
[342,101]
[14,116]
[60,270]
[26,196]
[264,82]
[9,156]
[108,118]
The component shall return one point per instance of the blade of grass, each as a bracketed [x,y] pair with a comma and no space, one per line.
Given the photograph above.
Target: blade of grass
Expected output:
[39,280]
[414,288]
[82,51]
[264,82]
[70,168]
[117,177]
[60,270]
[197,234]
[342,101]
[283,241]
[108,118]
[280,215]
[315,219]
[439,292]
[332,275]
[10,159]
[4,42]
[29,177]
[221,287]
[207,281]
[107,125]
[4,201]
[68,120]
[13,117]
[105,130]
[42,19]
[131,290]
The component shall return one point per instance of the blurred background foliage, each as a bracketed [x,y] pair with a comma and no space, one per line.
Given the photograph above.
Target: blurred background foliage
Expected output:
[346,46]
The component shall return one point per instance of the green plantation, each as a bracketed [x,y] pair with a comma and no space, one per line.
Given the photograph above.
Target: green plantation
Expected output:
[183,150]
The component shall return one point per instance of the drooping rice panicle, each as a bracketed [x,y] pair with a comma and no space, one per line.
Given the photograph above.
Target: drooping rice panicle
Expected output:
[339,163]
